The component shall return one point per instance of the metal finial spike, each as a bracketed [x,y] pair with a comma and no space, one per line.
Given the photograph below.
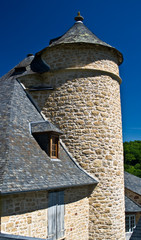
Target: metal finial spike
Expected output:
[78,17]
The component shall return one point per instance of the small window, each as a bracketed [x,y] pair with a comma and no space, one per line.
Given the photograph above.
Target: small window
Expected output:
[48,143]
[130,223]
[54,146]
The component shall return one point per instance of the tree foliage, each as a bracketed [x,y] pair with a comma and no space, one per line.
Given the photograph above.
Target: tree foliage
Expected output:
[132,157]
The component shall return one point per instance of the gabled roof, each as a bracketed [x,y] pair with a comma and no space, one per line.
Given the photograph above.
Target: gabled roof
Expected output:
[137,232]
[24,166]
[131,206]
[132,183]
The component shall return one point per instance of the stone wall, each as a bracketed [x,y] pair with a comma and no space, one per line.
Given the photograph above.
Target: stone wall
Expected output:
[84,56]
[85,105]
[77,214]
[134,196]
[138,215]
[26,214]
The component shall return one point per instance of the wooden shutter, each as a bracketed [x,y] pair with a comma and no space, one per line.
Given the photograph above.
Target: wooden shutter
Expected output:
[56,215]
[52,215]
[60,215]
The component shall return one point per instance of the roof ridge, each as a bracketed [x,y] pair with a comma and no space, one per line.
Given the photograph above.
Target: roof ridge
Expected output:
[132,175]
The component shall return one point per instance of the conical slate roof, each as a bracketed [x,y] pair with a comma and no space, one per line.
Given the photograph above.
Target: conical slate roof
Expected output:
[79,33]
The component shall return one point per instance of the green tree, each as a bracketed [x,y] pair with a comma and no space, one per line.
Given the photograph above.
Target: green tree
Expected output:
[132,157]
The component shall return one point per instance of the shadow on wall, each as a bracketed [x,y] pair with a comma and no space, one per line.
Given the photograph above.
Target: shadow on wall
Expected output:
[22,203]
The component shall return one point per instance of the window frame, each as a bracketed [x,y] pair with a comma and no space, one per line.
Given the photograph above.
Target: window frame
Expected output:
[130,216]
[48,142]
[56,144]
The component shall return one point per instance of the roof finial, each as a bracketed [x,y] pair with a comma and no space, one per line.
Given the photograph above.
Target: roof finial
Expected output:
[79,17]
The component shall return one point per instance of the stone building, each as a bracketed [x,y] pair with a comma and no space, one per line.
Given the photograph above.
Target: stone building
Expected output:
[62,152]
[132,206]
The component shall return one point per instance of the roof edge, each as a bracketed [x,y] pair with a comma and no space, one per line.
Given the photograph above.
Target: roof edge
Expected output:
[133,202]
[118,53]
[69,154]
[46,189]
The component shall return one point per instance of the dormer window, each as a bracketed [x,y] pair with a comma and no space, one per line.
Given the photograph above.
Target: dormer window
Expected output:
[19,70]
[47,136]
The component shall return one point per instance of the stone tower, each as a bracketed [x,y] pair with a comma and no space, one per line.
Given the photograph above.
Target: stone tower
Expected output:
[85,105]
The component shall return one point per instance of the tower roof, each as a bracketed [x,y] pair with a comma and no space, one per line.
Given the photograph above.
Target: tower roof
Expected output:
[79,33]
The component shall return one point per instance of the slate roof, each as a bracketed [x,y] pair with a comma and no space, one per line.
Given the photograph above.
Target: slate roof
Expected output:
[31,64]
[137,232]
[44,126]
[131,206]
[24,166]
[79,33]
[132,183]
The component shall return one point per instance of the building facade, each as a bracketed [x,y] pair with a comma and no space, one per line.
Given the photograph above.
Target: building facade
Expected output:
[73,89]
[132,206]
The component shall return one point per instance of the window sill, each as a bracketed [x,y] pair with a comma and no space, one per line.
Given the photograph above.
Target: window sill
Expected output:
[56,160]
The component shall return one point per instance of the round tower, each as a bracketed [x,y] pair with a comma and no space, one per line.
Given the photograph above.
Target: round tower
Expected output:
[85,105]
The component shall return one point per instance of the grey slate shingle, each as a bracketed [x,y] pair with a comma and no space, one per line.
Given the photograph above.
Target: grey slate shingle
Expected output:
[132,183]
[31,64]
[44,126]
[79,33]
[24,166]
[131,206]
[137,232]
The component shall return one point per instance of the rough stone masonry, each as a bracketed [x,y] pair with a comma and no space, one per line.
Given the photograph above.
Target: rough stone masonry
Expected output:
[85,105]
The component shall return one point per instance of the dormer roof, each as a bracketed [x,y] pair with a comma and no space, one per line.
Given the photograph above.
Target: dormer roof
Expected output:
[44,126]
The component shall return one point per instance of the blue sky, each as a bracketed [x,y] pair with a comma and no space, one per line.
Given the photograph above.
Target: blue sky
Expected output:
[27,26]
